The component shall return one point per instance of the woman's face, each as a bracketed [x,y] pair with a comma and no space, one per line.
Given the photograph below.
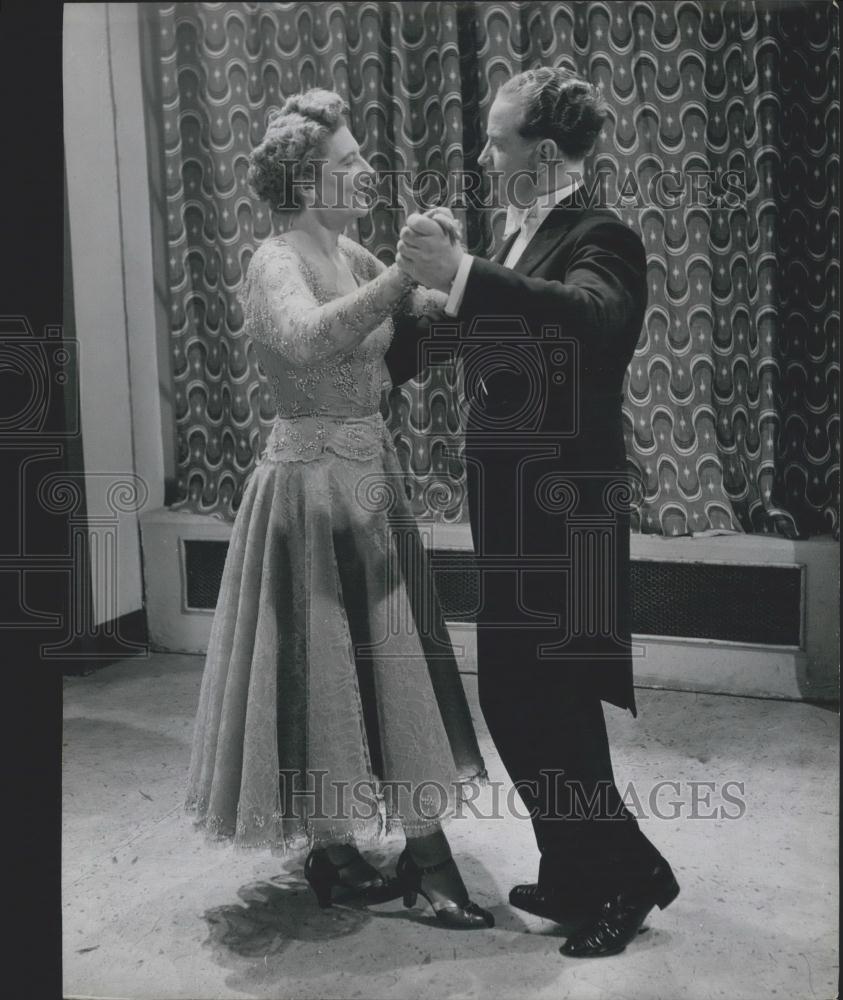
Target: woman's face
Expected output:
[346,181]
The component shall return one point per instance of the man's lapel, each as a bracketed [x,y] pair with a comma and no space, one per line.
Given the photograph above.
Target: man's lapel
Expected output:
[500,255]
[558,222]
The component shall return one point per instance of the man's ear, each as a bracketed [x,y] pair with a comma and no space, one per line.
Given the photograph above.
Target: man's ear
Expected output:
[552,163]
[541,162]
[547,151]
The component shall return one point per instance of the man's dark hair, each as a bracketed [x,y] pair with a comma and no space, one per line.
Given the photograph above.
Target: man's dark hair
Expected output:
[559,105]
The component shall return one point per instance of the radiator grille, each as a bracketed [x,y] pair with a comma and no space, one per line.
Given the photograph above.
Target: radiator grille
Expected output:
[756,604]
[204,562]
[731,603]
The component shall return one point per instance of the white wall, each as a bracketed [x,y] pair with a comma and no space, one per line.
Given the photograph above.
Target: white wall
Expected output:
[111,244]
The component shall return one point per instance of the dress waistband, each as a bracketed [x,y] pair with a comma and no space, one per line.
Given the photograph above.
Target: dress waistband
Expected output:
[305,438]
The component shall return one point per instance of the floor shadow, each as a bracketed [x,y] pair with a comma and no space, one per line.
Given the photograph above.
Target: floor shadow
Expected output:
[279,924]
[273,916]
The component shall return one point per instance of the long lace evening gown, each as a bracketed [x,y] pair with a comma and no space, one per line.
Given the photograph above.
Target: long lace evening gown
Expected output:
[329,661]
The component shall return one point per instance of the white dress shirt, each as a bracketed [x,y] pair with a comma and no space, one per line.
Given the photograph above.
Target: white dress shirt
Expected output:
[526,221]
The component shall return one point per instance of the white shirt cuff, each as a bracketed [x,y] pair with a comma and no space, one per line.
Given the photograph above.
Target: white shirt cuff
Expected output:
[452,306]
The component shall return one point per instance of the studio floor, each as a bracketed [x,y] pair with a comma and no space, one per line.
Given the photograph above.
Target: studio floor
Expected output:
[151,910]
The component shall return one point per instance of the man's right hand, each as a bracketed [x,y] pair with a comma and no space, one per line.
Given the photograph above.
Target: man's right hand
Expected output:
[445,217]
[428,251]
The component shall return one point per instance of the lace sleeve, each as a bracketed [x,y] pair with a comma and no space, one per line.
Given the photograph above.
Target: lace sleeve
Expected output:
[280,307]
[424,302]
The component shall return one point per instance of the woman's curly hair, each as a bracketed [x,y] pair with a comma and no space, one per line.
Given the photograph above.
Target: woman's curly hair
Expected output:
[559,105]
[295,135]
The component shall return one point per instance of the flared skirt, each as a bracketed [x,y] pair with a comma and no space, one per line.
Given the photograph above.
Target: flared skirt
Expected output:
[331,706]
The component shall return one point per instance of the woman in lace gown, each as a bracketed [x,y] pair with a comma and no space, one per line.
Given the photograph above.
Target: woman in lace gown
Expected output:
[331,707]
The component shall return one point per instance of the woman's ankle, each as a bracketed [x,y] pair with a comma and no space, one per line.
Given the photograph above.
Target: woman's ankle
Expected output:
[429,849]
[445,886]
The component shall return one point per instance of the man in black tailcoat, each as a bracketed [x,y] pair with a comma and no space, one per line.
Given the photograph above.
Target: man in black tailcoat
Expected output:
[546,331]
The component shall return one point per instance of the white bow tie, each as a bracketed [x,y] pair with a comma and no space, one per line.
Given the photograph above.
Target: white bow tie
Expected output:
[520,218]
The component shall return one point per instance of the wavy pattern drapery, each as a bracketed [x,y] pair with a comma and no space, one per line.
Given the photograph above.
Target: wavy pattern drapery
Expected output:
[732,399]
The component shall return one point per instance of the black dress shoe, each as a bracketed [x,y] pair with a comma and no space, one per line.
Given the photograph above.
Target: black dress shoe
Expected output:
[323,876]
[621,916]
[553,905]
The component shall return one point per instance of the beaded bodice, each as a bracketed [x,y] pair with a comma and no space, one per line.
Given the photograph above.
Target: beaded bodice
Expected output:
[295,339]
[323,352]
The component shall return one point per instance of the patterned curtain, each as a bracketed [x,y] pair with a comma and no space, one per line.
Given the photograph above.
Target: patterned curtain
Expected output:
[731,405]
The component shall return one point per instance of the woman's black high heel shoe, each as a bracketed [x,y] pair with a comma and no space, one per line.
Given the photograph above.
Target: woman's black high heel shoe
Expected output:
[453,915]
[323,875]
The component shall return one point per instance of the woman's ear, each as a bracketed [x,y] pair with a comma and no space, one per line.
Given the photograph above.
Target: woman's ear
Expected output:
[308,195]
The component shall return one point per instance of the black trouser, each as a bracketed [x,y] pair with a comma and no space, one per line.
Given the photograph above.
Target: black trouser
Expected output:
[589,841]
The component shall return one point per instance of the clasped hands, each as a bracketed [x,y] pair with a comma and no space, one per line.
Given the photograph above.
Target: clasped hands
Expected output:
[429,248]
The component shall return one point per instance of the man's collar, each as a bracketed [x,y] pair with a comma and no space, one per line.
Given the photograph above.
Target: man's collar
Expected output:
[548,200]
[532,216]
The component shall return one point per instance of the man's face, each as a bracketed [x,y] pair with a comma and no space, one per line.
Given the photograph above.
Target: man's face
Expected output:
[509,153]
